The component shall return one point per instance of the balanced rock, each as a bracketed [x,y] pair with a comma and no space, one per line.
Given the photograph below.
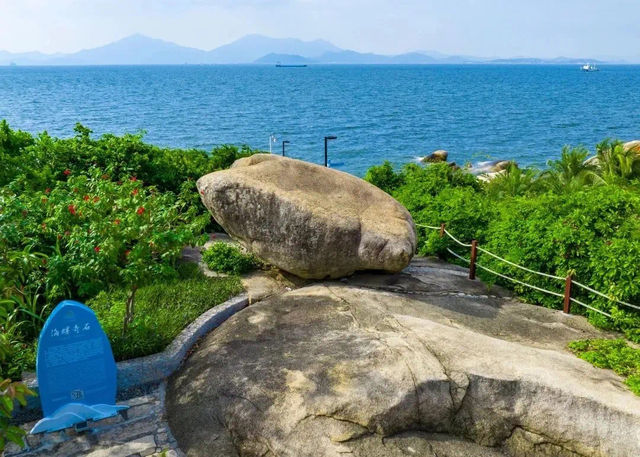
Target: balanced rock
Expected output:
[309,220]
[437,156]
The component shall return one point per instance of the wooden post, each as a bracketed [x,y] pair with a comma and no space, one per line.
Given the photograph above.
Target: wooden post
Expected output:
[442,226]
[567,294]
[474,256]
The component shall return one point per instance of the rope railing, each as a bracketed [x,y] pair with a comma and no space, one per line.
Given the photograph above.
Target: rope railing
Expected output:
[520,266]
[590,307]
[569,281]
[458,256]
[456,240]
[550,292]
[593,291]
[540,289]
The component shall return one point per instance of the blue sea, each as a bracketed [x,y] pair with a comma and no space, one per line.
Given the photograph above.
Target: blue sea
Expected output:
[378,113]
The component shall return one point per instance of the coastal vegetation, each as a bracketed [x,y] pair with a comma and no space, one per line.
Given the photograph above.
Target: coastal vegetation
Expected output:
[103,221]
[580,216]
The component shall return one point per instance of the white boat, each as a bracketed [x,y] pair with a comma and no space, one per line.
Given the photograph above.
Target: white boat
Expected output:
[589,67]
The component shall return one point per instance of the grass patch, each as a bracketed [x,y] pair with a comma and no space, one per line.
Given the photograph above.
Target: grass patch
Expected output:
[615,355]
[227,258]
[162,311]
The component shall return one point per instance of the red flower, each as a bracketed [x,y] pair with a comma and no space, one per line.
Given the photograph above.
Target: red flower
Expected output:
[67,233]
[96,199]
[133,178]
[135,192]
[86,198]
[67,172]
[44,200]
[140,211]
[117,222]
[75,190]
[44,261]
[97,249]
[59,236]
[72,209]
[127,252]
[47,190]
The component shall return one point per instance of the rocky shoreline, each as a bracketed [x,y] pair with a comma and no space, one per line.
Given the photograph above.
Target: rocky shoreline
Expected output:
[488,170]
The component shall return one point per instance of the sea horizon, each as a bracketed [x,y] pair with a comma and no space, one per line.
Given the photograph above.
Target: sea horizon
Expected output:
[395,112]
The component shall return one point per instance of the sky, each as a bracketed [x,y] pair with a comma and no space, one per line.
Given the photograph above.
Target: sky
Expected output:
[486,28]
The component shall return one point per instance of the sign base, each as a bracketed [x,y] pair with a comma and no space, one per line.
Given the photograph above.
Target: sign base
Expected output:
[75,413]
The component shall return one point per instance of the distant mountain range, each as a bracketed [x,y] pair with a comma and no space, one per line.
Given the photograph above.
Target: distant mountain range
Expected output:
[251,49]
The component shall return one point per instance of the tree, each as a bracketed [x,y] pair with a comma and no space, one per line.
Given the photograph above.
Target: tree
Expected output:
[512,182]
[617,163]
[571,172]
[116,233]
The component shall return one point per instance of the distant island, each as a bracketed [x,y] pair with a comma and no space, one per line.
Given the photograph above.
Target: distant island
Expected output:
[255,49]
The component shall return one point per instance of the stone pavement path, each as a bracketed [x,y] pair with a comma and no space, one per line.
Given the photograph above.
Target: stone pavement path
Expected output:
[144,432]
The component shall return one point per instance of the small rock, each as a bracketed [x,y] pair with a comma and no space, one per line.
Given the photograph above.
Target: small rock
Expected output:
[633,146]
[437,156]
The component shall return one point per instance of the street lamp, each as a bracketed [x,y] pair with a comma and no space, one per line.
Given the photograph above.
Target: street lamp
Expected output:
[283,143]
[326,140]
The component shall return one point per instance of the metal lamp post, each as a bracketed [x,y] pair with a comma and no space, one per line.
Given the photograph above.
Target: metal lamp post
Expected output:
[326,141]
[283,143]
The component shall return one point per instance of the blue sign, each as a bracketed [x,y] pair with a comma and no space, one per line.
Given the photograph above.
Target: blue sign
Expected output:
[75,368]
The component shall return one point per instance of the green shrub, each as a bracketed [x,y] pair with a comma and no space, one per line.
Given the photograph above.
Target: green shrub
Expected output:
[594,233]
[10,392]
[227,258]
[96,232]
[163,311]
[42,160]
[384,177]
[223,156]
[439,193]
[616,355]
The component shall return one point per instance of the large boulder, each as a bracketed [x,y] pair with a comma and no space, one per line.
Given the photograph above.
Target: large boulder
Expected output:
[309,220]
[332,370]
